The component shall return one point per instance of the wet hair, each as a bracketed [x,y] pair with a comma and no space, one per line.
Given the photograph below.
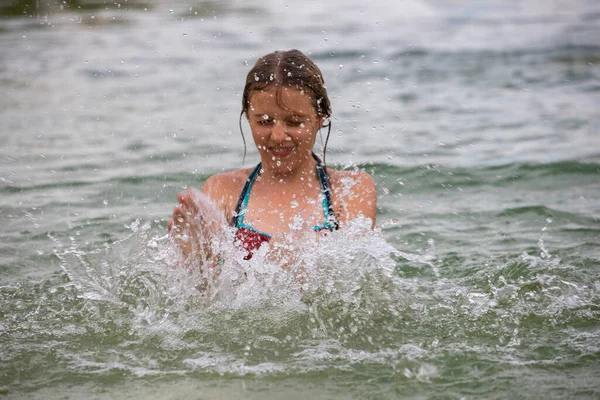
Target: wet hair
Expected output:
[291,69]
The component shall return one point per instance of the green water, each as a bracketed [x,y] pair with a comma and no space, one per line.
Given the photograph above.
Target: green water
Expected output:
[478,122]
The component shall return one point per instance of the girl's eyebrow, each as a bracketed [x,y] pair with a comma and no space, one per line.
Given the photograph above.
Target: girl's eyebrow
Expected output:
[298,115]
[294,115]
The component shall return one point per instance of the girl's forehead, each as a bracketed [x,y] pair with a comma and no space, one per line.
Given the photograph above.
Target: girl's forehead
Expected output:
[281,102]
[278,95]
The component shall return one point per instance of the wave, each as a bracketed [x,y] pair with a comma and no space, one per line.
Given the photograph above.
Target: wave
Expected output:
[571,166]
[558,53]
[427,175]
[430,178]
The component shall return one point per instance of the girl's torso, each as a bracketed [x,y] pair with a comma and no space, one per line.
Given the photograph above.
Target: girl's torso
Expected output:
[273,208]
[263,209]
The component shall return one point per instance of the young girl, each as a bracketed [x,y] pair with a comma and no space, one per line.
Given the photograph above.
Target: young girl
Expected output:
[286,104]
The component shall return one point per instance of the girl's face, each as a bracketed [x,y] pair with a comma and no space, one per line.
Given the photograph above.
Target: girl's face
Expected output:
[283,129]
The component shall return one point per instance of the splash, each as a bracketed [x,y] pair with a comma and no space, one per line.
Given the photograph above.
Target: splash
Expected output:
[339,300]
[142,277]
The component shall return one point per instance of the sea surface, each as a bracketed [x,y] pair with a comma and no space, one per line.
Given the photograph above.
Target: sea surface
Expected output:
[479,121]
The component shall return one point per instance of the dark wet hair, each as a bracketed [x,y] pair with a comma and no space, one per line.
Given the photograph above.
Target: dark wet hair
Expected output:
[293,69]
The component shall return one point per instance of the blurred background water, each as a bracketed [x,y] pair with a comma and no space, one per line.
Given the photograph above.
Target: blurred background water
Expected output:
[478,120]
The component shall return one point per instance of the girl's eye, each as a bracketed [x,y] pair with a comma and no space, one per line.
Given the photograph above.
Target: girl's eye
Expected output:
[265,122]
[296,123]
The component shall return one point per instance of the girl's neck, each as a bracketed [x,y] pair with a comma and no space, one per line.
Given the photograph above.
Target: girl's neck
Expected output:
[302,175]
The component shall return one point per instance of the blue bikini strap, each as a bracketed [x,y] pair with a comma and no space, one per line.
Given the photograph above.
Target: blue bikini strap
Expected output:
[331,222]
[238,214]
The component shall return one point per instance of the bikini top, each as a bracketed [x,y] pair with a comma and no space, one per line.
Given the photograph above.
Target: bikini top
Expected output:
[250,238]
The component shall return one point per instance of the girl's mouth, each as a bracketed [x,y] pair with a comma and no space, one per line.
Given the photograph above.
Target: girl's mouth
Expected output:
[281,152]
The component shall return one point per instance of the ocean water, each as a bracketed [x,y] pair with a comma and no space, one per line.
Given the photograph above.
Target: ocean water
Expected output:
[478,120]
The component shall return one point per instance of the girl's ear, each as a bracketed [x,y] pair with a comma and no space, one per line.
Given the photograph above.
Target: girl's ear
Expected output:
[322,120]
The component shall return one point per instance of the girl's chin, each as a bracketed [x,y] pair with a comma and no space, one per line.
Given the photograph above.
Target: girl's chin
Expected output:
[284,165]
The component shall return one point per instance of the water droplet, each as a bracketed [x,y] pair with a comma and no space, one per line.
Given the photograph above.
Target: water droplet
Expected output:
[294,204]
[246,62]
[170,11]
[341,66]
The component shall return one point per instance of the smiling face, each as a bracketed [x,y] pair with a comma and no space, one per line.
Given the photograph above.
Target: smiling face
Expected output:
[284,126]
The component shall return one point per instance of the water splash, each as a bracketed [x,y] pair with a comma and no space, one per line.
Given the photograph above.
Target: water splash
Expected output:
[340,300]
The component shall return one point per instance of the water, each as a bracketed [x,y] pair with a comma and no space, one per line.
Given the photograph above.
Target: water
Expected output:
[478,120]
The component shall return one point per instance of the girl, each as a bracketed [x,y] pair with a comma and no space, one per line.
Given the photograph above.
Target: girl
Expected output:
[286,104]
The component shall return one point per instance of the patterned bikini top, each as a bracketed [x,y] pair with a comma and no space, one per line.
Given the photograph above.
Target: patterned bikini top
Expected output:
[250,238]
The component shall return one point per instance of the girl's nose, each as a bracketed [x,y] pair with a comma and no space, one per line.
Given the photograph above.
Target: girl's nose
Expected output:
[278,132]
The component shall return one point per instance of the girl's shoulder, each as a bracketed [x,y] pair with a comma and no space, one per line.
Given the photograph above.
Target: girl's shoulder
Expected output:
[229,179]
[224,188]
[354,195]
[348,179]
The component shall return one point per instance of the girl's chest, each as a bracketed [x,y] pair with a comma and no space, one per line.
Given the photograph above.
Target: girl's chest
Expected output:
[276,213]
